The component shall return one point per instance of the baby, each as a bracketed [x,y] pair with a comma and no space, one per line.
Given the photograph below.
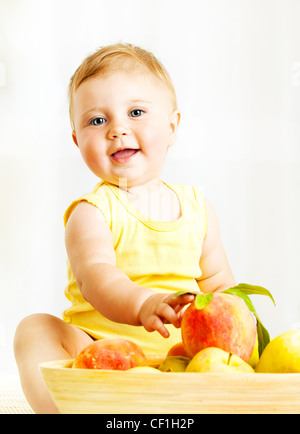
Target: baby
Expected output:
[135,240]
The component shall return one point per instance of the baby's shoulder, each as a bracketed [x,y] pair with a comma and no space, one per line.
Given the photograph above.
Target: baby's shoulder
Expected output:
[97,198]
[190,191]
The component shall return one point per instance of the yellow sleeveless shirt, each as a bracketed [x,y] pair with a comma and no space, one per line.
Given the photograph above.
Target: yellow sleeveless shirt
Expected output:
[163,256]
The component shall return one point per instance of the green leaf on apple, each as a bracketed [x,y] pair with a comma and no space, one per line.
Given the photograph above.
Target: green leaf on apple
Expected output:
[201,300]
[243,290]
[254,290]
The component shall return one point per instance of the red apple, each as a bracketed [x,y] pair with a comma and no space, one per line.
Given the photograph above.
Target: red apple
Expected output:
[225,322]
[117,353]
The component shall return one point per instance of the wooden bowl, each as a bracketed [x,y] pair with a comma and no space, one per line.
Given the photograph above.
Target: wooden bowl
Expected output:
[121,392]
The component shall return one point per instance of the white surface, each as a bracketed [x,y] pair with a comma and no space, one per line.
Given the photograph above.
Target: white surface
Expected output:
[12,399]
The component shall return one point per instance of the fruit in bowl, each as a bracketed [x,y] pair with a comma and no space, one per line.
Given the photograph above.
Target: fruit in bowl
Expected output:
[282,354]
[144,369]
[115,354]
[255,356]
[177,350]
[217,360]
[224,322]
[174,364]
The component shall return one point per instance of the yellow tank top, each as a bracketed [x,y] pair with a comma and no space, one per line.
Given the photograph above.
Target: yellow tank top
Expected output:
[163,256]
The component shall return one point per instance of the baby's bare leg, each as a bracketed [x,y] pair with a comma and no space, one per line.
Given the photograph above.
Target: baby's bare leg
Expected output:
[42,338]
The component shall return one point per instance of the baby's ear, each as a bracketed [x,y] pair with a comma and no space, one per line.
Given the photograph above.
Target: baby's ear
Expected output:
[74,138]
[174,123]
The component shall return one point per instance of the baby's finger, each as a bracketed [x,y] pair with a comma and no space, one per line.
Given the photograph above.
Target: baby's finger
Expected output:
[180,309]
[166,312]
[181,300]
[156,323]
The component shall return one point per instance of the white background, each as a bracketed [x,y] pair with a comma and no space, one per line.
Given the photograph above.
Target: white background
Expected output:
[236,67]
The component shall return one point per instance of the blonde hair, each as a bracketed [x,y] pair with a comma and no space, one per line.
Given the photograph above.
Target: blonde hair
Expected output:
[110,59]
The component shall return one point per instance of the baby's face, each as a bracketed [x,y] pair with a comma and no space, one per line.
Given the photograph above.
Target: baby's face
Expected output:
[124,124]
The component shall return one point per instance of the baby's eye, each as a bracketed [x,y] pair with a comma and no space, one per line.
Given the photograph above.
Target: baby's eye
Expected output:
[97,121]
[136,113]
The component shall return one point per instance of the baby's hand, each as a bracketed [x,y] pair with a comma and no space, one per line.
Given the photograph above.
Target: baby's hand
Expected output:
[160,309]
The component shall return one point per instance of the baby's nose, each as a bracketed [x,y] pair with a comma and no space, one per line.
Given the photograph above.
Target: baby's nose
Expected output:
[118,131]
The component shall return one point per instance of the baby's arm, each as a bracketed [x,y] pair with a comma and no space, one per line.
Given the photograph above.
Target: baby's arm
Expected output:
[109,290]
[216,272]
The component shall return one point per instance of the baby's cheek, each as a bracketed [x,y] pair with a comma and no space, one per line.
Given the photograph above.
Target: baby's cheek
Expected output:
[93,158]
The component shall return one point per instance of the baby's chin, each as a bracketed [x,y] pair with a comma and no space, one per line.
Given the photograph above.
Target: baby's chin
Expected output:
[123,183]
[132,177]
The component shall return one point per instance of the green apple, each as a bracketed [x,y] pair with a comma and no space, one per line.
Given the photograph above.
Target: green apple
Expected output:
[282,354]
[214,359]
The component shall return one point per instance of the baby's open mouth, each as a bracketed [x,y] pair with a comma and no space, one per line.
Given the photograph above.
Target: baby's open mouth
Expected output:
[124,154]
